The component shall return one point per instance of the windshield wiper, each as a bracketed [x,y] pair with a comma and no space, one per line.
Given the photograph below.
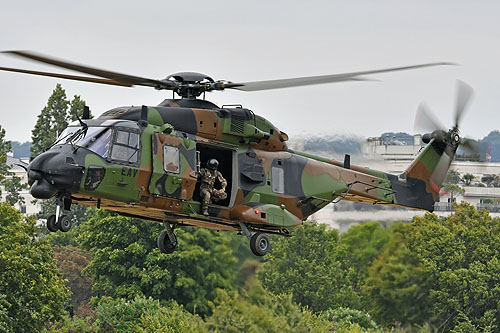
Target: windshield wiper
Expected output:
[61,139]
[76,136]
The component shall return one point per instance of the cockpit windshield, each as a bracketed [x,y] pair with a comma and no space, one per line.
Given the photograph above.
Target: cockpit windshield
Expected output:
[96,139]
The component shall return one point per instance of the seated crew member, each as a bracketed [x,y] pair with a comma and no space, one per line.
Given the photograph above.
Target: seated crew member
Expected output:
[208,191]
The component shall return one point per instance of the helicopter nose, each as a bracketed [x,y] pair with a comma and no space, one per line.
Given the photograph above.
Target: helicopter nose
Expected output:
[54,171]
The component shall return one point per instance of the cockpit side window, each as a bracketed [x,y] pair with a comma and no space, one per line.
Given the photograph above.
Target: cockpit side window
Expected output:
[100,143]
[125,146]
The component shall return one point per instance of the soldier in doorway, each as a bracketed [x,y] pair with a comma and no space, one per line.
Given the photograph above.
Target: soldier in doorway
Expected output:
[208,192]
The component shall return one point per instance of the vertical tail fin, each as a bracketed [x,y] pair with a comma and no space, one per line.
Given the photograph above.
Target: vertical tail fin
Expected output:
[428,171]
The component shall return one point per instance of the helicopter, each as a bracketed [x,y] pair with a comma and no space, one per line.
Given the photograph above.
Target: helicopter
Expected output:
[145,162]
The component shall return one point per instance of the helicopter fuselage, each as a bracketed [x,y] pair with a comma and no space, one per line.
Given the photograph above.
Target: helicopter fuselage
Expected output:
[145,162]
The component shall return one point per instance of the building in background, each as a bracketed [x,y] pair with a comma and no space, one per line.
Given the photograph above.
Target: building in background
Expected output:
[17,167]
[393,154]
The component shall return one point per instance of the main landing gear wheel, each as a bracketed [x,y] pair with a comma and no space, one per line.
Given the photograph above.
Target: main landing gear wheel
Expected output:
[64,223]
[51,223]
[167,241]
[164,243]
[260,244]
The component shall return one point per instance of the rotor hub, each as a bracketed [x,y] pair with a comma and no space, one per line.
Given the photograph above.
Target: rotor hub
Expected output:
[191,84]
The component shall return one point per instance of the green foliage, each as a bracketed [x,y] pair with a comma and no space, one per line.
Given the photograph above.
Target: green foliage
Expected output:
[145,315]
[307,266]
[491,180]
[362,245]
[5,148]
[453,190]
[126,261]
[397,286]
[171,319]
[4,315]
[74,324]
[13,186]
[452,177]
[53,119]
[62,239]
[257,310]
[468,178]
[460,256]
[76,109]
[71,261]
[345,317]
[31,291]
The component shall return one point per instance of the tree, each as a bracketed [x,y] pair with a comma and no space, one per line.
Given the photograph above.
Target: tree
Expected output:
[468,178]
[363,244]
[454,191]
[5,148]
[126,261]
[13,186]
[71,261]
[397,287]
[306,266]
[31,291]
[53,119]
[460,256]
[452,177]
[258,310]
[76,108]
[491,180]
[142,314]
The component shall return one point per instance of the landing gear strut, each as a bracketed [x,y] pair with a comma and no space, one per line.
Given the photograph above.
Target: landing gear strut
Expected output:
[58,221]
[259,242]
[167,241]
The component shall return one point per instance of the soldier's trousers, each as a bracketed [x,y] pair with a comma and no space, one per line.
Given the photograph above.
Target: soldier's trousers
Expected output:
[207,195]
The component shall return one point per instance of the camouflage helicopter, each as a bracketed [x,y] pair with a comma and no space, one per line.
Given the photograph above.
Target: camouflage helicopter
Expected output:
[146,162]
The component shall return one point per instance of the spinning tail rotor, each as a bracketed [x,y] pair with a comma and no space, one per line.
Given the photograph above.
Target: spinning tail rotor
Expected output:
[443,142]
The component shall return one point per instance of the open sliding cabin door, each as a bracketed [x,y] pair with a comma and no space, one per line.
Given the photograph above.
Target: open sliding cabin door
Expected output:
[174,166]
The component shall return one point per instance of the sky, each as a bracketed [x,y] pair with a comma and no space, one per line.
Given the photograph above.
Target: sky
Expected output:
[259,40]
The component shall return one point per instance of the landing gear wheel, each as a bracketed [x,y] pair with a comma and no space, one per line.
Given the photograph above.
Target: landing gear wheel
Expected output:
[164,243]
[260,244]
[51,223]
[64,223]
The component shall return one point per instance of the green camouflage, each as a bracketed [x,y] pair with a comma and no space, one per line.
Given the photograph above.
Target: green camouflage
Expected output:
[269,186]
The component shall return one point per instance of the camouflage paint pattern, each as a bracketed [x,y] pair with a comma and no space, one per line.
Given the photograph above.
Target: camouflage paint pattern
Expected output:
[270,188]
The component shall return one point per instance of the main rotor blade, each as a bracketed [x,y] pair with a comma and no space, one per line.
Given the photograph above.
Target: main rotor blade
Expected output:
[310,80]
[66,76]
[426,121]
[464,95]
[118,77]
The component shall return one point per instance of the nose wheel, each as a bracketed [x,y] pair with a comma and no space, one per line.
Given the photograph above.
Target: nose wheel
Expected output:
[57,221]
[259,242]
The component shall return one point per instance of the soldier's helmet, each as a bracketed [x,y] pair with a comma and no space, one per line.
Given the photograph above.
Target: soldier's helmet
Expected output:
[212,164]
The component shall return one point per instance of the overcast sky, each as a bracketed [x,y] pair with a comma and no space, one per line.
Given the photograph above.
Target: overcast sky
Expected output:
[258,40]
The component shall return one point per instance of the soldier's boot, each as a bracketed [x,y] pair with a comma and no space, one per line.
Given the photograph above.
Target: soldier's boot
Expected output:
[205,211]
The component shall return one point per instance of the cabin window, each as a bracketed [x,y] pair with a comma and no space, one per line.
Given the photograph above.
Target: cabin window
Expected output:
[171,159]
[278,176]
[126,147]
[100,143]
